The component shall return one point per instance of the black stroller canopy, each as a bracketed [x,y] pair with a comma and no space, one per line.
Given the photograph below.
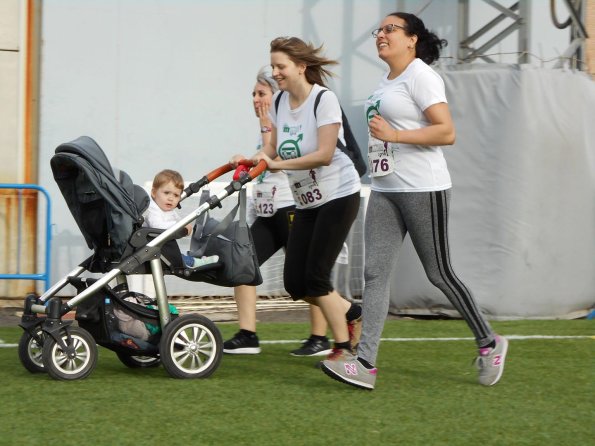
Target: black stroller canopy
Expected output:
[104,202]
[121,188]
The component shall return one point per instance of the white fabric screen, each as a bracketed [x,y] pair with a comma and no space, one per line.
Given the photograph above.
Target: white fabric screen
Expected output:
[522,224]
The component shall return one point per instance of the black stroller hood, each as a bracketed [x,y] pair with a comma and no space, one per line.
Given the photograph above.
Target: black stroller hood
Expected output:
[104,202]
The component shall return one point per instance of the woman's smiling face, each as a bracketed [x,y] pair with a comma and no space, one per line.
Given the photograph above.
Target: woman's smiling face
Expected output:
[285,71]
[396,42]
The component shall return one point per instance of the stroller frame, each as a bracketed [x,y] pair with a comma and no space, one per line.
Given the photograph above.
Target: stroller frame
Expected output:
[51,344]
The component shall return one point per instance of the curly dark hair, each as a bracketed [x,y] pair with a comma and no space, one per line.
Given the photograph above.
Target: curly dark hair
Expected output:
[428,44]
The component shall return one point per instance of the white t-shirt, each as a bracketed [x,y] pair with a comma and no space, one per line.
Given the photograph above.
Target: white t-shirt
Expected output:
[273,184]
[276,185]
[297,135]
[156,218]
[401,102]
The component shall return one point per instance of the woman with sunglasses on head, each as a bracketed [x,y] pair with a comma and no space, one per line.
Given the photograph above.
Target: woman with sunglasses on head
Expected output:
[323,180]
[274,209]
[409,120]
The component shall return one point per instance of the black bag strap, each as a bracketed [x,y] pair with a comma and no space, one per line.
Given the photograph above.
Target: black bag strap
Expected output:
[316,101]
[199,226]
[226,221]
[277,100]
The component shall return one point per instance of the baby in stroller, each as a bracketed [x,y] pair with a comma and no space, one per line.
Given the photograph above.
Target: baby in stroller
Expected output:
[166,193]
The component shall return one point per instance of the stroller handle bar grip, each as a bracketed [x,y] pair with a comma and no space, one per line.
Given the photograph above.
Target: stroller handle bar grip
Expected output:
[222,170]
[257,168]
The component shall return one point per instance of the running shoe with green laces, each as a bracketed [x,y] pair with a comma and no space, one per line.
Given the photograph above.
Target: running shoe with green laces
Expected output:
[344,367]
[490,362]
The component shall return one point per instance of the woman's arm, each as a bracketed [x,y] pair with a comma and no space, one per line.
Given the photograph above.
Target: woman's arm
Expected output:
[268,150]
[266,126]
[440,132]
[327,142]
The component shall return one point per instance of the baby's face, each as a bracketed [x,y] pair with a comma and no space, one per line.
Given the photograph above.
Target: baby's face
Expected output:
[167,196]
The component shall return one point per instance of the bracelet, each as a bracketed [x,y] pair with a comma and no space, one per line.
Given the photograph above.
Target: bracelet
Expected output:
[265,129]
[396,136]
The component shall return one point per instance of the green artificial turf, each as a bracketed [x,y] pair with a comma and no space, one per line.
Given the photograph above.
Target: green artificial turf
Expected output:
[426,394]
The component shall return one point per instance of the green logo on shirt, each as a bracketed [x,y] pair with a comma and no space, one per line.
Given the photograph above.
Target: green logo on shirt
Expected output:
[290,148]
[373,110]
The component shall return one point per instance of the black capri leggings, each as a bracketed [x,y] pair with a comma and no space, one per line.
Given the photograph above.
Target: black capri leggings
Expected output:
[315,241]
[271,233]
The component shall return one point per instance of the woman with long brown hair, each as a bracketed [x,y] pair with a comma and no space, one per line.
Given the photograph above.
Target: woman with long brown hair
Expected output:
[306,126]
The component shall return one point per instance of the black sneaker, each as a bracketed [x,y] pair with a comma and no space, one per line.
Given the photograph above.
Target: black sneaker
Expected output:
[313,347]
[242,344]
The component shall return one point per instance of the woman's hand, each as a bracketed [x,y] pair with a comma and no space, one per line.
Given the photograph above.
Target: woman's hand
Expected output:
[263,113]
[272,165]
[234,160]
[382,130]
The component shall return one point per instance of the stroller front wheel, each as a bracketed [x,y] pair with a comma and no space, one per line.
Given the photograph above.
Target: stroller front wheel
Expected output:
[191,347]
[76,361]
[30,350]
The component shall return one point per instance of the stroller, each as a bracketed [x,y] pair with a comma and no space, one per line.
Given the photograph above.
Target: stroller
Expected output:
[108,209]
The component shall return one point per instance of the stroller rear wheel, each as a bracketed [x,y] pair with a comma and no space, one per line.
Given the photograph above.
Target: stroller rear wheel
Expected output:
[138,362]
[191,347]
[30,350]
[76,361]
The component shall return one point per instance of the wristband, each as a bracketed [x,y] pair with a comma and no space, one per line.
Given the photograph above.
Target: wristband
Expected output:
[265,129]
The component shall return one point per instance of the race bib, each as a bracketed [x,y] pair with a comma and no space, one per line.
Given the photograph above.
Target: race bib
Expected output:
[307,192]
[380,158]
[265,204]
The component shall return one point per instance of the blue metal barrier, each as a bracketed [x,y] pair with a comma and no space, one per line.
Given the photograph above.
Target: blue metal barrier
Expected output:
[45,276]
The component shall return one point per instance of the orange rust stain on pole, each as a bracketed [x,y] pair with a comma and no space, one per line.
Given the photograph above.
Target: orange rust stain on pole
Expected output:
[28,260]
[28,155]
[8,208]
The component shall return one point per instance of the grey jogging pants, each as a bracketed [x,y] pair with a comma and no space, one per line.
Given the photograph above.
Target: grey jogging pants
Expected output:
[424,215]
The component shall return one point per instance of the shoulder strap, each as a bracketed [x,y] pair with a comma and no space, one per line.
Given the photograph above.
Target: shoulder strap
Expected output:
[277,101]
[317,100]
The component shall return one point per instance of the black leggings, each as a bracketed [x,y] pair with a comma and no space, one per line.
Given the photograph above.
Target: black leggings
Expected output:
[271,233]
[315,241]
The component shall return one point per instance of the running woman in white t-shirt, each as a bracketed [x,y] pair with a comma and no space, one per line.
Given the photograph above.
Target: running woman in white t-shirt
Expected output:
[324,183]
[272,204]
[409,121]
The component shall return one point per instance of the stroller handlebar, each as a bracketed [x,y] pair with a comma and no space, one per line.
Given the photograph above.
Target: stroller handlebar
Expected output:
[253,172]
[256,169]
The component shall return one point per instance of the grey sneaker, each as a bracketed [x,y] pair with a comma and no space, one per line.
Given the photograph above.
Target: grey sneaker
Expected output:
[343,366]
[313,347]
[490,362]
